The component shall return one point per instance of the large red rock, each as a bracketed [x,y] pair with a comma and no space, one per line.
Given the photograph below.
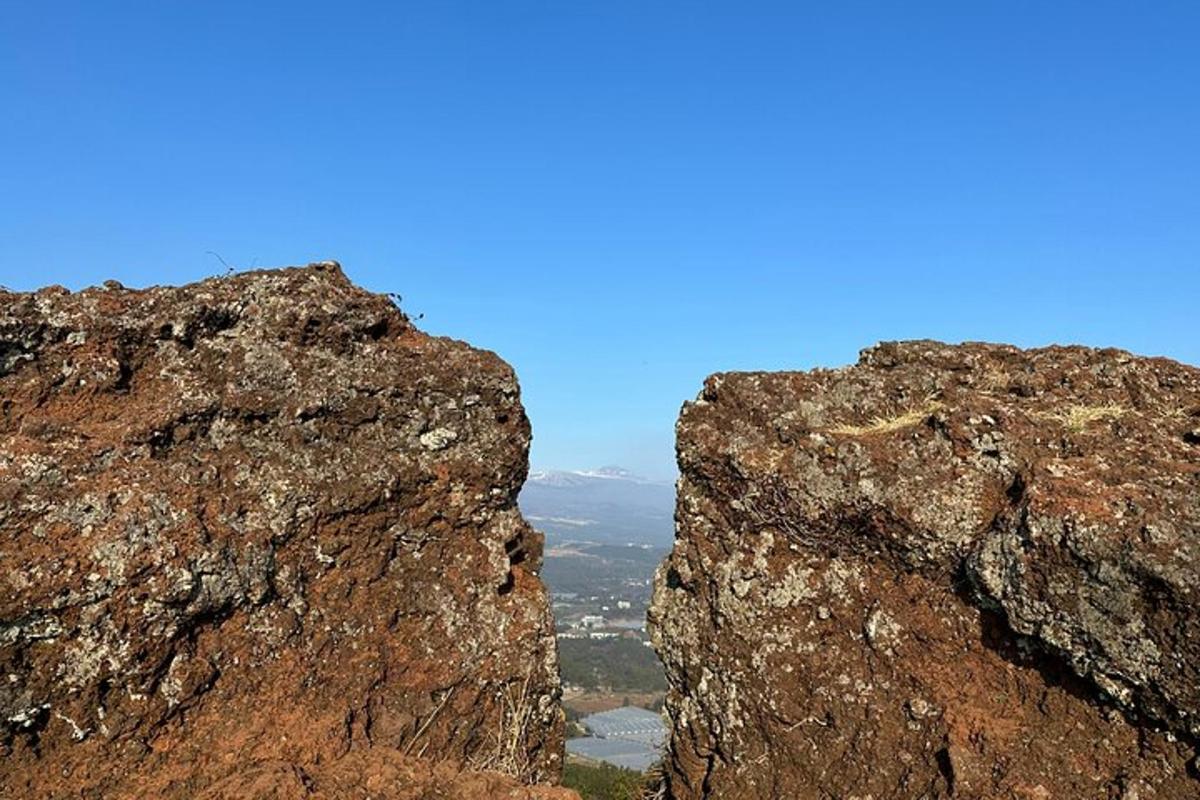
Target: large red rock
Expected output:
[259,538]
[946,572]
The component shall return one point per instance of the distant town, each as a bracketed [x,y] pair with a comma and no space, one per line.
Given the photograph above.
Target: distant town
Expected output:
[606,532]
[600,594]
[619,612]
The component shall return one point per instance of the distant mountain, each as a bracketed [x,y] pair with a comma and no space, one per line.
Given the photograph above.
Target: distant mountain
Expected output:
[582,477]
[610,504]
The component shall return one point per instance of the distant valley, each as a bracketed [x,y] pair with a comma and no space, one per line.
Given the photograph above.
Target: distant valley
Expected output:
[607,530]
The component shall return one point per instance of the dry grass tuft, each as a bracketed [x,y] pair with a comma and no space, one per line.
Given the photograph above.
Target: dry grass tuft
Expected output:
[888,424]
[656,783]
[1182,412]
[995,380]
[1077,418]
[507,750]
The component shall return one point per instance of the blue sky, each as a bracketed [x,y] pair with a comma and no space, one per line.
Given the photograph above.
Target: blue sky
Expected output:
[623,197]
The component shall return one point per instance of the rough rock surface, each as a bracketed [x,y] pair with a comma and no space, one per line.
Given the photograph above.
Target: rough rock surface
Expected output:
[258,538]
[947,572]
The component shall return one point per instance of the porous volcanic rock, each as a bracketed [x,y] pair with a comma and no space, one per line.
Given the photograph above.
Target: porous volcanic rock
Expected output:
[946,572]
[259,538]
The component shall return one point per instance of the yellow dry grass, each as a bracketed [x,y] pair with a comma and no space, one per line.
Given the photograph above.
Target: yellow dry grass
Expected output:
[1077,418]
[508,750]
[1180,412]
[888,424]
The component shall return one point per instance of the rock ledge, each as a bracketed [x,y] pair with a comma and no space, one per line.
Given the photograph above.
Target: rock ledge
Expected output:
[258,537]
[948,571]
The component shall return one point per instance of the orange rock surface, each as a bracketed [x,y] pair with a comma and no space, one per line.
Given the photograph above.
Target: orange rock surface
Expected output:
[259,538]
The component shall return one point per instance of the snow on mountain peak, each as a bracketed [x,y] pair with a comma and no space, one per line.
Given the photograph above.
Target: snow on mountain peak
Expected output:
[576,477]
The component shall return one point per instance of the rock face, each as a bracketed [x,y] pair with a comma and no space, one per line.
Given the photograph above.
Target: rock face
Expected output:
[946,572]
[258,538]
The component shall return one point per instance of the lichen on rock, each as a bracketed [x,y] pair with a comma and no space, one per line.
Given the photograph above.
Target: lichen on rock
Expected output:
[945,572]
[262,529]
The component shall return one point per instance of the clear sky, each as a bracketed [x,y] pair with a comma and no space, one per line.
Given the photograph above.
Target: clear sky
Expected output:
[622,197]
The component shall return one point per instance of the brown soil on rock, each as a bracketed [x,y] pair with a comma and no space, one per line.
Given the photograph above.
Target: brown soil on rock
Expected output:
[259,538]
[947,572]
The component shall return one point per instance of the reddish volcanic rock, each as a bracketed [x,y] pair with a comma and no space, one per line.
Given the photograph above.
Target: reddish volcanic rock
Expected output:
[946,572]
[259,538]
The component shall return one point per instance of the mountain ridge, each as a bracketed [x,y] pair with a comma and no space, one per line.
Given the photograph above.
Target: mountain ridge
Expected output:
[608,504]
